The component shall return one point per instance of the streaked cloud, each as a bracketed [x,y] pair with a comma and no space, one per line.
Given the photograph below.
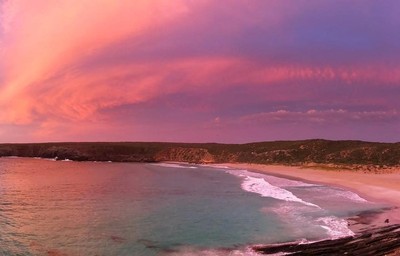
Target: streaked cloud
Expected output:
[70,70]
[330,116]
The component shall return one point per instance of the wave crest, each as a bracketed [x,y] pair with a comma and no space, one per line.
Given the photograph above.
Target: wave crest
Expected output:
[265,189]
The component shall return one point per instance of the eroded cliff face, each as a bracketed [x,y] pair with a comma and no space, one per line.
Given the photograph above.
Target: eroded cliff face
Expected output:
[180,154]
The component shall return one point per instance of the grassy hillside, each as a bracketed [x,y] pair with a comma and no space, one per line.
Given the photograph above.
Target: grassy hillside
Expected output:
[276,152]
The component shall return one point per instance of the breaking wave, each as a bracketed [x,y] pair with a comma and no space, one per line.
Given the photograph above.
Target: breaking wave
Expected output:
[265,189]
[172,165]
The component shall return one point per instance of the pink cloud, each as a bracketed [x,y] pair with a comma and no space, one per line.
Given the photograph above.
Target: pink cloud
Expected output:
[323,116]
[78,96]
[49,36]
[64,64]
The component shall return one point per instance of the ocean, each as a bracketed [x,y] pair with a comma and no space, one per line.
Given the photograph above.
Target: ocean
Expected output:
[62,208]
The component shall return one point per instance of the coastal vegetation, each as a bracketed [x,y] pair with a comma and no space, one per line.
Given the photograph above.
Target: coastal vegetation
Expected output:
[331,154]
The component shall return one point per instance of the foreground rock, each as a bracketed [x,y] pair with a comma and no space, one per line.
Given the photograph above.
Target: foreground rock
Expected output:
[375,242]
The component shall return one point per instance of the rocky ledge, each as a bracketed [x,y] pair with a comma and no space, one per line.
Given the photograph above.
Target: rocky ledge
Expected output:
[375,242]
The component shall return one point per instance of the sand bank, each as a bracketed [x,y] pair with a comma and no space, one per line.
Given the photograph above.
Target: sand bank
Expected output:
[380,188]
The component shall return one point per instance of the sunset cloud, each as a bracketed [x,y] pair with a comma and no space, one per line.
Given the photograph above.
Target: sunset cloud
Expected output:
[326,116]
[70,70]
[49,37]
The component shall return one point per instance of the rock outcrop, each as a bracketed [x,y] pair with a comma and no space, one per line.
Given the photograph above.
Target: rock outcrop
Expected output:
[180,154]
[376,242]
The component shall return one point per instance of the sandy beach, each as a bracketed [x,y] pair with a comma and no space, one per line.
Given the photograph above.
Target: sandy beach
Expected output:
[380,188]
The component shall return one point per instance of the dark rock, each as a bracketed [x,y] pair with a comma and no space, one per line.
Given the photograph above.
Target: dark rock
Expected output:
[375,242]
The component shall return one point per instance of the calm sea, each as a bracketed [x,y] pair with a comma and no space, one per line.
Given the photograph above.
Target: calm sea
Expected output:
[62,208]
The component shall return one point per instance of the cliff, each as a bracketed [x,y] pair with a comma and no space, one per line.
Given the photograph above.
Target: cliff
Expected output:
[349,153]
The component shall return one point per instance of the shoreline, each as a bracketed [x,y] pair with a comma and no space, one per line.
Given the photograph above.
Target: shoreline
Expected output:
[369,227]
[380,188]
[373,236]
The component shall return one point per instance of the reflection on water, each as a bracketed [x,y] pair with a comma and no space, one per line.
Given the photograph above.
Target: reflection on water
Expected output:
[53,206]
[70,208]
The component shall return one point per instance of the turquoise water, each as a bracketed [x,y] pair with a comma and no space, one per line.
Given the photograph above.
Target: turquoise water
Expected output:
[85,208]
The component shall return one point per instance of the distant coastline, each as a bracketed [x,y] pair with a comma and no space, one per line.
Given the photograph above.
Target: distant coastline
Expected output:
[320,154]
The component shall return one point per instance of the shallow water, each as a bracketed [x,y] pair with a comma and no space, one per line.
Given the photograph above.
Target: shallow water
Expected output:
[85,208]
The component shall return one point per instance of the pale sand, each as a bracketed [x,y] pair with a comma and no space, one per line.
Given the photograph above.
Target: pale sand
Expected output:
[379,188]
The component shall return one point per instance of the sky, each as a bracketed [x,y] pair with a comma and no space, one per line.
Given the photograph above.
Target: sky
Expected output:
[232,71]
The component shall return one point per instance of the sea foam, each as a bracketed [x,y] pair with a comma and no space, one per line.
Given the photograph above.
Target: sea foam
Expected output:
[350,196]
[273,180]
[172,165]
[265,189]
[256,183]
[335,227]
[337,193]
[274,187]
[193,251]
